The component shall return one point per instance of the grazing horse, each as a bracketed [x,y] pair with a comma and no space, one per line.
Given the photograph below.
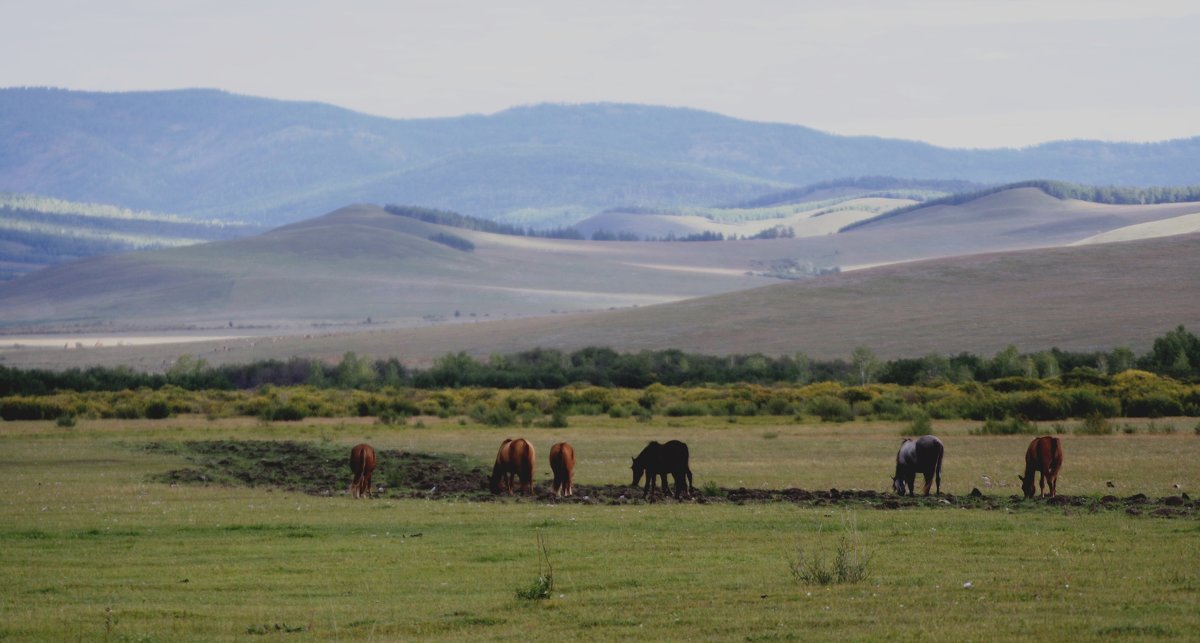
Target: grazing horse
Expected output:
[515,458]
[923,455]
[1044,456]
[362,465]
[657,460]
[562,463]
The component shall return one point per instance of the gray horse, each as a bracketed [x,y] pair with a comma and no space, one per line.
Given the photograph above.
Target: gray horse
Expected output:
[923,455]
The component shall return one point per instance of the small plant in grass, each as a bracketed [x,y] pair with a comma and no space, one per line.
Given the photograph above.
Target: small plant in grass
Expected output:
[1095,424]
[920,424]
[65,421]
[543,586]
[391,418]
[1008,426]
[712,490]
[851,561]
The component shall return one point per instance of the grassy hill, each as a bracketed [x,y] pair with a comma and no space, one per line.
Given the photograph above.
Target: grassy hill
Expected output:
[1083,298]
[215,155]
[954,283]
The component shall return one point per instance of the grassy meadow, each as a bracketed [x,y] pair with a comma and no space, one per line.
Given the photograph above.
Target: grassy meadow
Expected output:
[91,550]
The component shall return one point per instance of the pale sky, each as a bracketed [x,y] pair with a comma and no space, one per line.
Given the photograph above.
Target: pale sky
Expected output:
[961,74]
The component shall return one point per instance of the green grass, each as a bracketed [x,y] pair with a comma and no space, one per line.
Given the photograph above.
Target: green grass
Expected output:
[90,549]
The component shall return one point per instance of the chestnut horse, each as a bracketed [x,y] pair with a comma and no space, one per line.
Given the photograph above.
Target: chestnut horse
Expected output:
[1044,456]
[515,458]
[924,456]
[657,460]
[362,464]
[562,463]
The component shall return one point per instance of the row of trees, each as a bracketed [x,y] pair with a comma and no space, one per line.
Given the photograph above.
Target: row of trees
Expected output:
[1176,354]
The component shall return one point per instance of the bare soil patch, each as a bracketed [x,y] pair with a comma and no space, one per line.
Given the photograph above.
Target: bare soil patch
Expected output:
[324,470]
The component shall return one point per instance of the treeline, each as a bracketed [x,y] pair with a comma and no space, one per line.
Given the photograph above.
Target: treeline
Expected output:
[1060,190]
[871,183]
[1176,354]
[456,220]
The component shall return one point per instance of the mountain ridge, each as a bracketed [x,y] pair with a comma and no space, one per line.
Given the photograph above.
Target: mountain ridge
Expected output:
[210,153]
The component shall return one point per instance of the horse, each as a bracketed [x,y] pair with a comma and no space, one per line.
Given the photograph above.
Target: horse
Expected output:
[923,455]
[362,465]
[662,459]
[562,463]
[515,458]
[1044,456]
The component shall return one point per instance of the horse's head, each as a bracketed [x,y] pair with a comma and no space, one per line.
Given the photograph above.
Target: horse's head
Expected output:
[898,486]
[638,469]
[1026,485]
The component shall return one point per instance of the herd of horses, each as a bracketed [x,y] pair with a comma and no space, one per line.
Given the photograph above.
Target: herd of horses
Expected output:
[515,464]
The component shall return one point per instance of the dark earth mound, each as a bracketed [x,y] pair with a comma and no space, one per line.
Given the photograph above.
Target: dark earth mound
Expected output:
[324,470]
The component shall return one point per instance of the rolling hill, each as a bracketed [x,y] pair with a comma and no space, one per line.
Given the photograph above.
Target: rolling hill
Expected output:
[950,279]
[206,153]
[1093,297]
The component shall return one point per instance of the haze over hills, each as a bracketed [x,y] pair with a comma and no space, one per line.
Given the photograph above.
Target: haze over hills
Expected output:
[215,155]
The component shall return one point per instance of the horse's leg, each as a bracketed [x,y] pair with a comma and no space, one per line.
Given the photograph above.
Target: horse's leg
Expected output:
[928,483]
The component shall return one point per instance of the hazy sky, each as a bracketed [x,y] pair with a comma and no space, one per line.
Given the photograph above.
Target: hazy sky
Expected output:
[964,74]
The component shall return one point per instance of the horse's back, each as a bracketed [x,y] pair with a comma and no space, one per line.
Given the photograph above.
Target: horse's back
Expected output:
[362,458]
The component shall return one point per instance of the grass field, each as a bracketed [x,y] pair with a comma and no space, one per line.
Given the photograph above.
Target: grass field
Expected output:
[93,551]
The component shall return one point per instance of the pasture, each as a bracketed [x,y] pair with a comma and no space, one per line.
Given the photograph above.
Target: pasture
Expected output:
[92,549]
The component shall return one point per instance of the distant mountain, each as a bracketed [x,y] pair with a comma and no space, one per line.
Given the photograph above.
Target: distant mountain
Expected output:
[216,155]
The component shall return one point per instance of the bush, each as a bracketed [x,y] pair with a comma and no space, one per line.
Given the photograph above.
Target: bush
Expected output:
[851,563]
[1153,405]
[829,408]
[65,421]
[920,424]
[1095,424]
[1040,406]
[683,409]
[1007,426]
[158,409]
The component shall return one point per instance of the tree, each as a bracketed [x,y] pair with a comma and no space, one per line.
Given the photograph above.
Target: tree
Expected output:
[865,364]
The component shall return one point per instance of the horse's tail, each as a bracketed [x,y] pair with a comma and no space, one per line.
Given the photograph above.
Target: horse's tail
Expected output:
[689,479]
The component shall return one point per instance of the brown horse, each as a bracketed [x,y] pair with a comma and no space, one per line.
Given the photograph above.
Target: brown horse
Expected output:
[1044,456]
[362,465]
[562,463]
[515,458]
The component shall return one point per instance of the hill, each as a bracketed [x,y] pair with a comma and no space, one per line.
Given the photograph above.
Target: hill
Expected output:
[362,262]
[209,154]
[953,283]
[1093,297]
[36,231]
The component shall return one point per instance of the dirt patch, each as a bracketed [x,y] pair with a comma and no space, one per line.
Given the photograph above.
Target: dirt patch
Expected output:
[324,470]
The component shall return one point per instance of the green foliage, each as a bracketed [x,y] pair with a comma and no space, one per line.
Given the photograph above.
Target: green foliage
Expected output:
[851,562]
[1095,424]
[1007,426]
[829,408]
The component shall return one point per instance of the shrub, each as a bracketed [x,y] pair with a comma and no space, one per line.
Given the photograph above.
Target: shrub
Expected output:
[829,408]
[1008,426]
[682,409]
[1040,406]
[1095,424]
[920,424]
[1153,405]
[158,409]
[493,415]
[65,421]
[851,562]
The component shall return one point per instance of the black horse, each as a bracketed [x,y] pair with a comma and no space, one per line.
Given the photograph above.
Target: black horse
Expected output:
[659,460]
[924,456]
